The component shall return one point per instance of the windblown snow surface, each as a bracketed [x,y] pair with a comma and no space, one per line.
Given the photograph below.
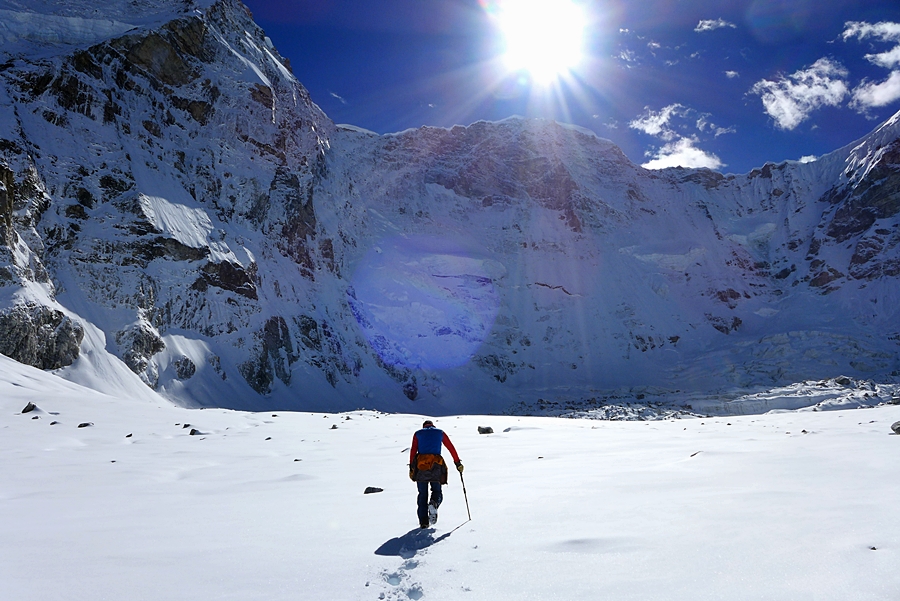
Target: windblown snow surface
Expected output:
[786,505]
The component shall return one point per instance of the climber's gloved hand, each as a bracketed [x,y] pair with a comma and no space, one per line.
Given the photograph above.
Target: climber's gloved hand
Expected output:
[459,466]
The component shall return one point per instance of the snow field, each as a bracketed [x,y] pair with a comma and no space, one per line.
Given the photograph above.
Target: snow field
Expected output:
[747,507]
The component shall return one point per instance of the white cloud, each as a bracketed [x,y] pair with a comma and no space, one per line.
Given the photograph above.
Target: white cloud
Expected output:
[657,124]
[333,95]
[732,74]
[871,95]
[683,153]
[609,123]
[713,24]
[809,158]
[704,125]
[868,94]
[884,31]
[667,123]
[627,56]
[790,99]
[676,125]
[888,59]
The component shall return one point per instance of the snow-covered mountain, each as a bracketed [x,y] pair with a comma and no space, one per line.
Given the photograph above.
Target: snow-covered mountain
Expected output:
[176,208]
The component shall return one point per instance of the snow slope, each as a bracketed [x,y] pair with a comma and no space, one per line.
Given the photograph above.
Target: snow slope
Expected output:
[780,506]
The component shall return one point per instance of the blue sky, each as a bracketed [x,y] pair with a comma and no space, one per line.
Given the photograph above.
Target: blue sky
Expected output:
[728,86]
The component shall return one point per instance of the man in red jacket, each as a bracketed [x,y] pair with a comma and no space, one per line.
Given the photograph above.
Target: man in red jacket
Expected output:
[427,467]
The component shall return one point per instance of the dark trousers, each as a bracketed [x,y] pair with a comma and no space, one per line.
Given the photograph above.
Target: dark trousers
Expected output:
[436,498]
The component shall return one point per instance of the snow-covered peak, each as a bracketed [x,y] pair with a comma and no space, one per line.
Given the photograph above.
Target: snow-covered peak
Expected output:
[17,27]
[867,152]
[132,11]
[37,28]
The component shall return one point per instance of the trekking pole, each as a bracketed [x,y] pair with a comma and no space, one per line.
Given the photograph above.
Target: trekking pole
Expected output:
[465,496]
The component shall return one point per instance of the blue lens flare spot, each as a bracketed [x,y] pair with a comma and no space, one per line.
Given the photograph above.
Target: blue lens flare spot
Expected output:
[425,302]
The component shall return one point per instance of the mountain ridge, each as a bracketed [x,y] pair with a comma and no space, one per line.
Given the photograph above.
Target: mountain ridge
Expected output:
[176,207]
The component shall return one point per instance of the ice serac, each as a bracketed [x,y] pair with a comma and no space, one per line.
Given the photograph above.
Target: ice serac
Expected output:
[175,208]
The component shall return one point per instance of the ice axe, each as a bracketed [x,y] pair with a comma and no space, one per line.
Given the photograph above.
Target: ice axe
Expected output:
[465,496]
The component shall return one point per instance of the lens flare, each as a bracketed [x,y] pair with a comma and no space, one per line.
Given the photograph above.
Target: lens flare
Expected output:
[424,302]
[545,38]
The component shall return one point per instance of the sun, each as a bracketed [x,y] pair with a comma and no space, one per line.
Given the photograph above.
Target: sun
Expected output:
[544,38]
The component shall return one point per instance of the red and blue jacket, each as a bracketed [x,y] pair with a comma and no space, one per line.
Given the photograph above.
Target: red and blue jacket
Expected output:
[428,441]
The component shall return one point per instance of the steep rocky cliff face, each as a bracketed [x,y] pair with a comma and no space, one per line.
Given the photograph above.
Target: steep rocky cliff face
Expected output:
[135,167]
[594,274]
[171,199]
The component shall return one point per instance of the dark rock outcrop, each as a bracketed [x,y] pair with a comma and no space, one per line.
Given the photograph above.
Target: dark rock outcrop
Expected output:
[184,368]
[7,194]
[724,324]
[40,336]
[274,356]
[876,197]
[137,344]
[228,276]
